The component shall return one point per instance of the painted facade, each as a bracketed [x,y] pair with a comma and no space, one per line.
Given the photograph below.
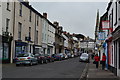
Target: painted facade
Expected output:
[6,27]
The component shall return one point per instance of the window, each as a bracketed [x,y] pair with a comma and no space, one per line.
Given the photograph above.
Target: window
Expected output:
[30,16]
[8,5]
[112,19]
[7,24]
[36,36]
[20,11]
[119,54]
[116,14]
[42,36]
[29,31]
[37,20]
[19,30]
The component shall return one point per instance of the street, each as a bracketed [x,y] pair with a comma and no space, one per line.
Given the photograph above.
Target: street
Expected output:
[70,68]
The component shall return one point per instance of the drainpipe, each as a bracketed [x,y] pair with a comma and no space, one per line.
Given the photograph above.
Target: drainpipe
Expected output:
[13,42]
[34,35]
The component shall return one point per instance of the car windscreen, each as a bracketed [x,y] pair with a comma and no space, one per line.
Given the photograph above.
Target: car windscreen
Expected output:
[36,54]
[23,55]
[42,54]
[84,55]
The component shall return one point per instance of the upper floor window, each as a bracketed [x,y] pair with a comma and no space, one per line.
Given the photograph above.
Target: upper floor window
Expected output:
[7,24]
[37,20]
[8,5]
[19,30]
[116,13]
[20,11]
[30,16]
[37,37]
[29,31]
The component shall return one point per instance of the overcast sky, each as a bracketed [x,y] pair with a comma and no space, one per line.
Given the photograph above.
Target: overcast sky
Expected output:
[74,17]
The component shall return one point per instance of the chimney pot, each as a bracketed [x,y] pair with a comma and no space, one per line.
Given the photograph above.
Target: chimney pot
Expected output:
[56,23]
[45,15]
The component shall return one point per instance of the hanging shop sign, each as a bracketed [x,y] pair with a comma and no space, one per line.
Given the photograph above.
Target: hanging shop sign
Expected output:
[101,36]
[105,25]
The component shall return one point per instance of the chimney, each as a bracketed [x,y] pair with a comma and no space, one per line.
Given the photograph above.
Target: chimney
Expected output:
[56,23]
[45,15]
[26,1]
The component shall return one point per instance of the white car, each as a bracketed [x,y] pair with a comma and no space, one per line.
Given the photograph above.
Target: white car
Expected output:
[26,58]
[84,57]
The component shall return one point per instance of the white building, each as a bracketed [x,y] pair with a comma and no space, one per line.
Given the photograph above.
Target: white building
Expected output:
[51,38]
[48,35]
[6,28]
[65,43]
[44,33]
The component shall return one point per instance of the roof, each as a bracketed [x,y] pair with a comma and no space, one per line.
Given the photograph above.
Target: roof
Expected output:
[35,11]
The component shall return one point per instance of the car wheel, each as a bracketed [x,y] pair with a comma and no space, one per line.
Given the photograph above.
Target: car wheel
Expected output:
[36,62]
[53,60]
[17,65]
[46,61]
[24,64]
[42,61]
[30,63]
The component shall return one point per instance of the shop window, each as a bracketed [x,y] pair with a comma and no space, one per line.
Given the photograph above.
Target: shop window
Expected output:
[5,51]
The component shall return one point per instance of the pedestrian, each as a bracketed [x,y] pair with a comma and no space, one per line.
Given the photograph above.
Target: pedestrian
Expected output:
[92,55]
[103,61]
[97,59]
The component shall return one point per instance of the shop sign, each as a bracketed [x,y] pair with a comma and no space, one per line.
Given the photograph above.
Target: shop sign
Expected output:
[101,36]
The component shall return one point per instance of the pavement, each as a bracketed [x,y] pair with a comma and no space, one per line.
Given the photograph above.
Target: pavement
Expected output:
[98,74]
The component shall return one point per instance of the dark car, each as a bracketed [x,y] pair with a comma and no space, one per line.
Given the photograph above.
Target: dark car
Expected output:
[41,58]
[57,57]
[50,58]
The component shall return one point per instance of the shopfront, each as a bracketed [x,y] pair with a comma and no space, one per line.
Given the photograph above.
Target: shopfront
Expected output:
[50,49]
[44,48]
[116,50]
[5,48]
[20,47]
[37,49]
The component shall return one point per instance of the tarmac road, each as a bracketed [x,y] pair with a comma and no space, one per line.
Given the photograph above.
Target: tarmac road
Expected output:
[70,68]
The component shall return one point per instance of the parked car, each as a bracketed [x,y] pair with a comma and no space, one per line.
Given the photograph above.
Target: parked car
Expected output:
[26,58]
[84,57]
[49,57]
[66,57]
[57,57]
[41,58]
[62,56]
[72,55]
[69,55]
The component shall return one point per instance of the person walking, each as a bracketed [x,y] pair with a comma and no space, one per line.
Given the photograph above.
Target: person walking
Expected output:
[103,61]
[97,59]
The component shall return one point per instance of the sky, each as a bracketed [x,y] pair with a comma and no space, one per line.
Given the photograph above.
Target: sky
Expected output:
[74,17]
